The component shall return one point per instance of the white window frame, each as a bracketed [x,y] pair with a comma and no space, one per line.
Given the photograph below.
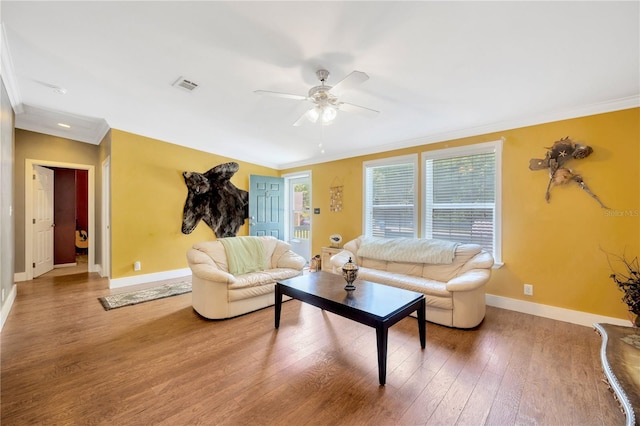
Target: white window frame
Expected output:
[288,177]
[403,159]
[427,193]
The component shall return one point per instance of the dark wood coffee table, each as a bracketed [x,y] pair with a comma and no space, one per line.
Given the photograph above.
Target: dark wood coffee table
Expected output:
[376,305]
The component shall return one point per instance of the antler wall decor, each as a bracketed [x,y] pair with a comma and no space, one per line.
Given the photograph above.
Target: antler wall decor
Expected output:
[557,155]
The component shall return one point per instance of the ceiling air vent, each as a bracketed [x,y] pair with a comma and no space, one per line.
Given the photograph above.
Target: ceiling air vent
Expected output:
[185,84]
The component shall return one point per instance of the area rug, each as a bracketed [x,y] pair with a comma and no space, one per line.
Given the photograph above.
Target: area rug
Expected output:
[134,297]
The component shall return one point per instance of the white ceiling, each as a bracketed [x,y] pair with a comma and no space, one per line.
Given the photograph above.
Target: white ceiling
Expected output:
[438,70]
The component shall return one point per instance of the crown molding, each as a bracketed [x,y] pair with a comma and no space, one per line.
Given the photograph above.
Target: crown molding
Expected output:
[581,111]
[8,74]
[43,120]
[100,131]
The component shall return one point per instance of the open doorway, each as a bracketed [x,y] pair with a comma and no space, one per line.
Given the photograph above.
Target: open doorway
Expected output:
[76,234]
[61,221]
[71,218]
[298,212]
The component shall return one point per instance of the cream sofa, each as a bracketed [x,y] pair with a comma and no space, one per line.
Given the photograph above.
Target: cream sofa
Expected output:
[454,291]
[217,294]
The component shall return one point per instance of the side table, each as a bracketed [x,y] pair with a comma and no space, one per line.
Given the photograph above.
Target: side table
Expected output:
[326,254]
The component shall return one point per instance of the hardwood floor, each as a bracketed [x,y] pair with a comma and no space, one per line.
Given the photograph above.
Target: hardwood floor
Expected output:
[67,361]
[81,265]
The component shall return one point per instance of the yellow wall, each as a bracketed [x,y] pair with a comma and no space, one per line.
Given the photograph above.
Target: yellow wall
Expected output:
[147,198]
[558,247]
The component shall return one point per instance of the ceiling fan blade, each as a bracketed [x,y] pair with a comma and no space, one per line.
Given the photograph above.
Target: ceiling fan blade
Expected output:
[344,106]
[349,82]
[303,119]
[312,115]
[280,95]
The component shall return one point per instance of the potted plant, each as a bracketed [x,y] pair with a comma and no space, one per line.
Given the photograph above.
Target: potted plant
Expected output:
[629,283]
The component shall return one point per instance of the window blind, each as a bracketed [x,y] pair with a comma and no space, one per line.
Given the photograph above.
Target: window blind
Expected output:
[389,198]
[460,198]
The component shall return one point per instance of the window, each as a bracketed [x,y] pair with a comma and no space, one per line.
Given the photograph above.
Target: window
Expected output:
[462,195]
[390,187]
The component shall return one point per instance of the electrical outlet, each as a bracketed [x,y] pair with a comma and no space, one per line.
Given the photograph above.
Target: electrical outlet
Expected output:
[528,289]
[136,266]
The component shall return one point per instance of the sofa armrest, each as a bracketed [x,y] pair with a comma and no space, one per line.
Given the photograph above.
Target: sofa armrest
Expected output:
[340,258]
[291,260]
[470,280]
[204,267]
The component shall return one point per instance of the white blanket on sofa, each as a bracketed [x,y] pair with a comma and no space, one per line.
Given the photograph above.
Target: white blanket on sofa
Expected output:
[244,254]
[411,250]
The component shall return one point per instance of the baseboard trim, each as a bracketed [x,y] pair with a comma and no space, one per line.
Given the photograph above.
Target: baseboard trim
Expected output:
[147,278]
[8,304]
[552,312]
[546,311]
[96,267]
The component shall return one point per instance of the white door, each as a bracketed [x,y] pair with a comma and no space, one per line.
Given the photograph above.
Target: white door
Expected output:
[42,220]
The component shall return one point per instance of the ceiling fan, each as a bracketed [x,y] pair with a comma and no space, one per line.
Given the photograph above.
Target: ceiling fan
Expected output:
[324,99]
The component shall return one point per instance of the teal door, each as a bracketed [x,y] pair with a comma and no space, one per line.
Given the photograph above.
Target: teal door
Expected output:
[266,206]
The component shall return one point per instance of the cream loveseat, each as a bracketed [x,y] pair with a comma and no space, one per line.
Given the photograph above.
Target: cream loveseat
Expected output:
[218,294]
[451,276]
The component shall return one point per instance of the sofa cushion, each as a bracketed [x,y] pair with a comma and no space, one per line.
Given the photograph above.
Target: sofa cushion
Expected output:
[273,246]
[439,302]
[408,282]
[410,250]
[438,272]
[413,269]
[259,278]
[464,252]
[215,250]
[285,258]
[273,250]
[249,292]
[367,262]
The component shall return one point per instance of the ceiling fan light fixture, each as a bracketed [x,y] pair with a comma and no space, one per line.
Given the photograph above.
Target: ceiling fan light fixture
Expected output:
[328,114]
[313,114]
[325,113]
[324,99]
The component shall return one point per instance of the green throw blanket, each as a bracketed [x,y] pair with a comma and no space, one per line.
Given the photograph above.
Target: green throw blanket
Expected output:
[244,254]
